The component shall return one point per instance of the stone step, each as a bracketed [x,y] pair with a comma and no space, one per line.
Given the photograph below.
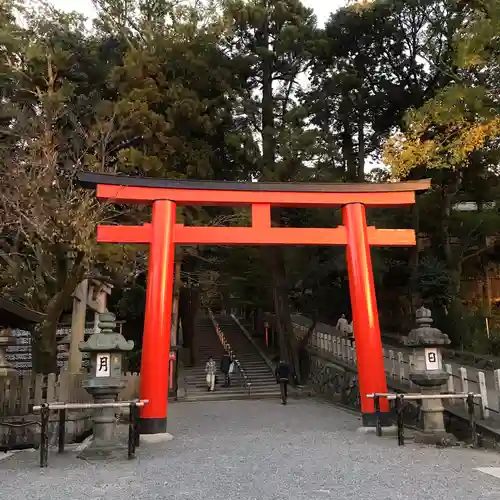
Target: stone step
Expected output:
[257,373]
[201,372]
[213,396]
[235,381]
[234,388]
[253,366]
[261,377]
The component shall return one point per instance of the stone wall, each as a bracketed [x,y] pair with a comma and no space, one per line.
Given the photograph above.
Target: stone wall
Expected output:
[24,432]
[330,380]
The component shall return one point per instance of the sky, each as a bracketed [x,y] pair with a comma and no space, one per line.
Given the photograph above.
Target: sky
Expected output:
[322,8]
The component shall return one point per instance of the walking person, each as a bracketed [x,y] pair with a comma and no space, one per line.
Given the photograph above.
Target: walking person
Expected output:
[282,377]
[225,365]
[210,370]
[231,371]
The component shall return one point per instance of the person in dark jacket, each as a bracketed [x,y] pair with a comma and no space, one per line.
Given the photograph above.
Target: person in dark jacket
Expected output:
[282,377]
[225,365]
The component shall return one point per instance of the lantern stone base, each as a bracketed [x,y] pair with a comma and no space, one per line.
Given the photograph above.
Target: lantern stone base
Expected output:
[442,438]
[430,379]
[104,420]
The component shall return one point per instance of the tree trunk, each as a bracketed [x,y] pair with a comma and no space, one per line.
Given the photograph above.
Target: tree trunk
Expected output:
[268,139]
[414,262]
[44,335]
[287,343]
[280,292]
[175,303]
[44,346]
[348,152]
[458,329]
[188,312]
[361,147]
[449,190]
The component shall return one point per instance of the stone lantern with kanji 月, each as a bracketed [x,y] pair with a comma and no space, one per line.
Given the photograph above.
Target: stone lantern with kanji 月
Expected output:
[428,374]
[106,348]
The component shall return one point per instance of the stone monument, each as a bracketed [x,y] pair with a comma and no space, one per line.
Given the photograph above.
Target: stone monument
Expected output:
[106,349]
[6,339]
[428,374]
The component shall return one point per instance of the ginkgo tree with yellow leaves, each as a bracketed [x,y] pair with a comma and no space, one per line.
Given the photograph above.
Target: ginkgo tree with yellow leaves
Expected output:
[464,116]
[454,137]
[444,132]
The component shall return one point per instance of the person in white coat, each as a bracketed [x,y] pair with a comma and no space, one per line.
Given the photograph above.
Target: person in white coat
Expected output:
[342,325]
[210,370]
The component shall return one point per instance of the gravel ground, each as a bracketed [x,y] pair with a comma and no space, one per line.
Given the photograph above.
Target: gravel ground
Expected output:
[260,450]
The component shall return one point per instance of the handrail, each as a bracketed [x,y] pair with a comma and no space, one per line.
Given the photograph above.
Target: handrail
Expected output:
[252,341]
[228,348]
[400,397]
[46,408]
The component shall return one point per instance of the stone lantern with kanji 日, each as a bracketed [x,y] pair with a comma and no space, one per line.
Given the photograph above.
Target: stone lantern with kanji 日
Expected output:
[428,374]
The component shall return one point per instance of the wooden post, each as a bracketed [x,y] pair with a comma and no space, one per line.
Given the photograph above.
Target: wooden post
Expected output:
[392,357]
[401,367]
[485,412]
[464,382]
[496,377]
[175,303]
[77,326]
[450,384]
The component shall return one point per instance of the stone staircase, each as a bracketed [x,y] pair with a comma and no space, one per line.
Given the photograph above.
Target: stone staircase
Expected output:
[260,374]
[263,383]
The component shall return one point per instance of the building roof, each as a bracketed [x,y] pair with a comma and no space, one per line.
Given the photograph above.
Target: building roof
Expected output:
[14,315]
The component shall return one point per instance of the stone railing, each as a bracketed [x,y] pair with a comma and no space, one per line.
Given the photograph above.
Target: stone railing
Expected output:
[398,362]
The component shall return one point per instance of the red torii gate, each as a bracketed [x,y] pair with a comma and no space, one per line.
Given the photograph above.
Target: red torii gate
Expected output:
[162,234]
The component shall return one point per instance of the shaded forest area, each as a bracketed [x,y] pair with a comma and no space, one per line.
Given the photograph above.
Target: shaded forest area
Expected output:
[253,90]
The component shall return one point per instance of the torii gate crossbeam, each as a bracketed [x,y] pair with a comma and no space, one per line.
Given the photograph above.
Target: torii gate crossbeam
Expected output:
[162,234]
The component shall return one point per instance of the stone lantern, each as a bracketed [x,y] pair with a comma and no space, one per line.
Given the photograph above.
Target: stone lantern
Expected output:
[106,349]
[5,340]
[428,374]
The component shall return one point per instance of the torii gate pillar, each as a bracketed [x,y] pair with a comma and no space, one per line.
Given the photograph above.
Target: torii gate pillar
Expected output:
[366,326]
[157,322]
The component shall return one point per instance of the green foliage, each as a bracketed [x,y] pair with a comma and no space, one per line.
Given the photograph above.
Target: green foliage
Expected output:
[434,282]
[240,90]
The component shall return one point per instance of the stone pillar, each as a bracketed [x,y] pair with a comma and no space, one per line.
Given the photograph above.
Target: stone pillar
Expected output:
[97,294]
[6,339]
[77,326]
[104,383]
[428,374]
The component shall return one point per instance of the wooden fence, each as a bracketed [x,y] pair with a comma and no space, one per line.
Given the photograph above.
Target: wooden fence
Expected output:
[18,393]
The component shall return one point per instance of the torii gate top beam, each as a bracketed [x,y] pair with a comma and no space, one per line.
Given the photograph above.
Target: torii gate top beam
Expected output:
[125,189]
